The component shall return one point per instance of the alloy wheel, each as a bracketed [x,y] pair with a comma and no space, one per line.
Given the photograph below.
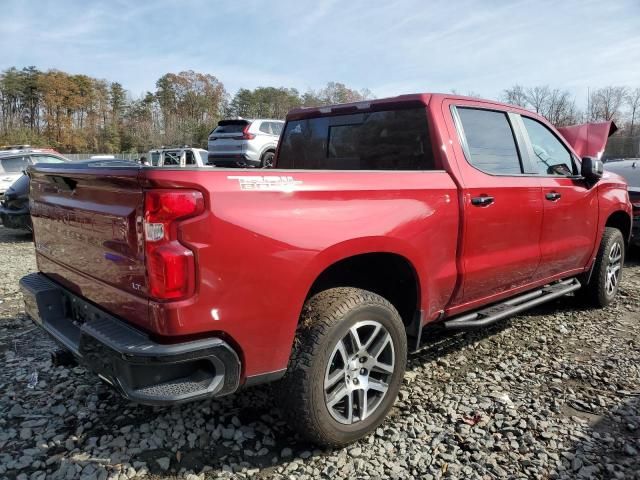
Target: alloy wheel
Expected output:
[358,372]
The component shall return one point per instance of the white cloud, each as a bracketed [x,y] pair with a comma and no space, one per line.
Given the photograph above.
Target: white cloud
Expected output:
[393,47]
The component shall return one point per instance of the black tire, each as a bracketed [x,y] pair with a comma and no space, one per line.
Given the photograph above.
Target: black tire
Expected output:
[327,319]
[599,292]
[267,159]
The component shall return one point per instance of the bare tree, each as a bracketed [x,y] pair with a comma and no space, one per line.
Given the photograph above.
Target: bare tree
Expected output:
[560,108]
[537,97]
[633,102]
[606,103]
[515,96]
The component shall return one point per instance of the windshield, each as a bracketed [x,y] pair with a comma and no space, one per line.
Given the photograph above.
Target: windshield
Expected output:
[13,165]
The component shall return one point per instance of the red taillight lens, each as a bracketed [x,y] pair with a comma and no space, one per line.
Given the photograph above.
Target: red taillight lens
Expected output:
[245,134]
[170,265]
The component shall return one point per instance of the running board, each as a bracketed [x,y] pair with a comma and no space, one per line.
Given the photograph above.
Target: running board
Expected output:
[498,311]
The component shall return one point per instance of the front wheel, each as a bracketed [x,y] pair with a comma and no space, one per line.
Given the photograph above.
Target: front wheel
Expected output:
[346,367]
[267,160]
[607,270]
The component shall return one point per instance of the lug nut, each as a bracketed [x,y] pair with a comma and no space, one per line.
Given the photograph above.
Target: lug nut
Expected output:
[356,381]
[363,371]
[363,359]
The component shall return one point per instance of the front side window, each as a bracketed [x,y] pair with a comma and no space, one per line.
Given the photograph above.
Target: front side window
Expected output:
[385,140]
[551,157]
[190,160]
[490,141]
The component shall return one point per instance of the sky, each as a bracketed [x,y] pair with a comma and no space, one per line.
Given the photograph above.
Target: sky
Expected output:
[390,47]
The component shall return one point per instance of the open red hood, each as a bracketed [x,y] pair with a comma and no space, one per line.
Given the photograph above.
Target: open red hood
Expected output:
[589,139]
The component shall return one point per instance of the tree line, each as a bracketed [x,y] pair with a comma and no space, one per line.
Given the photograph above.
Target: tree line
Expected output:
[79,113]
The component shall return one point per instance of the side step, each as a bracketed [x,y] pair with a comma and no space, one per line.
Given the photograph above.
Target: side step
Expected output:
[498,311]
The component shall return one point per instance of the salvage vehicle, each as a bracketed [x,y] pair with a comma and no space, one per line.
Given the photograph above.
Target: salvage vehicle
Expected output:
[183,156]
[244,142]
[380,218]
[630,171]
[14,200]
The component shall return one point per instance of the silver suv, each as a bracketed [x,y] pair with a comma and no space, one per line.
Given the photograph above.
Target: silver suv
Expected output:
[244,143]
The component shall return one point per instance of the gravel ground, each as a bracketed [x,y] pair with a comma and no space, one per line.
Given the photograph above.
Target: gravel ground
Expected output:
[554,393]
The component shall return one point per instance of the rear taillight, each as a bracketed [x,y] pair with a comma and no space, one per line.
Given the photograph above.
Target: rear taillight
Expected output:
[170,264]
[245,134]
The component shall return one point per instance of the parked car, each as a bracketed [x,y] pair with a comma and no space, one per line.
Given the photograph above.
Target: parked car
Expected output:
[630,170]
[184,156]
[14,191]
[244,143]
[382,217]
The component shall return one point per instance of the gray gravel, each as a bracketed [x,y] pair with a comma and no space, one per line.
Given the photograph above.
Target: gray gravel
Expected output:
[554,393]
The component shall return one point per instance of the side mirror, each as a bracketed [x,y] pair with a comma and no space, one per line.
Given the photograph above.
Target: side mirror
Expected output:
[592,169]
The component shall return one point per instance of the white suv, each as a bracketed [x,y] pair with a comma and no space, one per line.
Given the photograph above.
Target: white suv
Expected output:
[244,143]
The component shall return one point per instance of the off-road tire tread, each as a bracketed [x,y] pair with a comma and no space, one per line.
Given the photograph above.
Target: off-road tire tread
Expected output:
[320,314]
[594,293]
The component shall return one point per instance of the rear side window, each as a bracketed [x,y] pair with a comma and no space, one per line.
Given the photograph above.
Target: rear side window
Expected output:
[491,145]
[265,127]
[276,128]
[386,140]
[551,156]
[190,159]
[13,164]
[230,127]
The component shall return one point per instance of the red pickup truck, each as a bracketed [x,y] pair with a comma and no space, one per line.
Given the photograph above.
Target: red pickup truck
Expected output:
[380,217]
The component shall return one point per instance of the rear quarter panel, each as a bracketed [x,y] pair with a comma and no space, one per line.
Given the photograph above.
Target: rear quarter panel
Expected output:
[263,242]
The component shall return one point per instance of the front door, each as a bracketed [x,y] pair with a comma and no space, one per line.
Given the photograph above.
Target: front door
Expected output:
[570,205]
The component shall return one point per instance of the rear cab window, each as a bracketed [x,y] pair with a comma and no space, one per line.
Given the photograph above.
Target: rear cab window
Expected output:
[489,141]
[381,140]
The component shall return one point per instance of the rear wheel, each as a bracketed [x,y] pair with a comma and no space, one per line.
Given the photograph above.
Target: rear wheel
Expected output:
[607,271]
[267,159]
[346,367]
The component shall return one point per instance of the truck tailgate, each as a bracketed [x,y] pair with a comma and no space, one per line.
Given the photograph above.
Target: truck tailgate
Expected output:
[87,224]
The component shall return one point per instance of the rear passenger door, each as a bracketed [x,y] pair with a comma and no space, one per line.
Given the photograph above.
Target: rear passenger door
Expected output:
[502,205]
[570,205]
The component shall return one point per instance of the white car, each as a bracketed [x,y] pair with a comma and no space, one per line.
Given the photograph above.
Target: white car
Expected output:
[244,143]
[13,161]
[184,156]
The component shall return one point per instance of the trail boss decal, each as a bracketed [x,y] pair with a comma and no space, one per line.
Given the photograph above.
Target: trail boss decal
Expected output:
[283,183]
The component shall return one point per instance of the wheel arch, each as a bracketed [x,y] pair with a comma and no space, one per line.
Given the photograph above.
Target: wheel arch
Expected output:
[388,274]
[621,220]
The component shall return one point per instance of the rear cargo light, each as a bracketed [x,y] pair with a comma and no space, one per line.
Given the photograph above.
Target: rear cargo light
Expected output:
[170,264]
